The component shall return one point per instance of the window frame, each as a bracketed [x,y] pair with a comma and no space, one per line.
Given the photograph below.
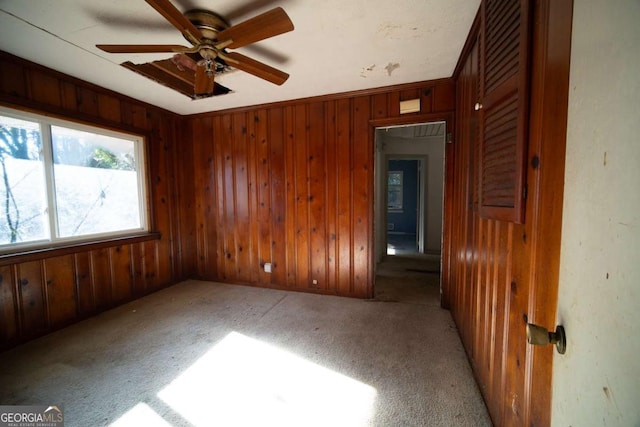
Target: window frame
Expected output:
[45,122]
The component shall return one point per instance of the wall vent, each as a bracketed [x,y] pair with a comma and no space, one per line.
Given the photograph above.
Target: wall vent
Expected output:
[410,106]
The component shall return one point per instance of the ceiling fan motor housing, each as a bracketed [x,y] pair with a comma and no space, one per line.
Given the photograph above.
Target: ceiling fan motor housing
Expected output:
[210,24]
[207,22]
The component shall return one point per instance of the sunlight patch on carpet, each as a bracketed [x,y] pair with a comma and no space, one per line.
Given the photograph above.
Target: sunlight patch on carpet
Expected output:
[140,415]
[243,381]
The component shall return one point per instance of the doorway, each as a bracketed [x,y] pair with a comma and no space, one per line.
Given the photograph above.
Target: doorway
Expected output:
[406,185]
[409,189]
[409,200]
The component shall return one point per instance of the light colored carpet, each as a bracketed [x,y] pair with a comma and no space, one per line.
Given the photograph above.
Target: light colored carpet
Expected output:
[209,354]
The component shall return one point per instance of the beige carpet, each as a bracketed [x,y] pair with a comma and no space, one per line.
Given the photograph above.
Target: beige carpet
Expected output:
[209,354]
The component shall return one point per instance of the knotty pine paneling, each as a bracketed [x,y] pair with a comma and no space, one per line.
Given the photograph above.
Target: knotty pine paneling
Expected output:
[478,282]
[291,184]
[33,310]
[276,181]
[261,192]
[101,278]
[122,277]
[84,284]
[501,275]
[40,295]
[9,318]
[60,289]
[343,196]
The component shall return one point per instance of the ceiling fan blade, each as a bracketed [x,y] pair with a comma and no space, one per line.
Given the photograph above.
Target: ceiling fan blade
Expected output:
[142,48]
[204,81]
[177,19]
[257,68]
[269,24]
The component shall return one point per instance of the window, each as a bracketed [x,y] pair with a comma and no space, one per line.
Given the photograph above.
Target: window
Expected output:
[394,191]
[61,181]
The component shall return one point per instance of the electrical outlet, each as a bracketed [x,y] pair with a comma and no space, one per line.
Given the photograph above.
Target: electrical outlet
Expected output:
[267,267]
[314,281]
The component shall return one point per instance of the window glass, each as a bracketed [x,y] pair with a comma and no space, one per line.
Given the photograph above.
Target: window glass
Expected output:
[96,183]
[394,190]
[23,200]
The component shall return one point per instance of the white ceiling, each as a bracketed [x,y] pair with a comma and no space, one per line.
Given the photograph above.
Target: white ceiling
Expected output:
[337,45]
[413,132]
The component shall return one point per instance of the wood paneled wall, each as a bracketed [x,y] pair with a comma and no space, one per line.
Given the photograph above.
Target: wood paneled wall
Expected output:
[43,292]
[502,275]
[291,184]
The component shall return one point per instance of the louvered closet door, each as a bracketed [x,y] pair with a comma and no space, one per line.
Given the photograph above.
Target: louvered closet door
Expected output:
[504,108]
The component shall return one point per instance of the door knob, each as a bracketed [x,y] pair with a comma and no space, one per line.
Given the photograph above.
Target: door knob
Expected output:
[538,335]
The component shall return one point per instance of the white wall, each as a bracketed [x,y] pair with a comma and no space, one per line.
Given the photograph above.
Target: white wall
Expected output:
[597,382]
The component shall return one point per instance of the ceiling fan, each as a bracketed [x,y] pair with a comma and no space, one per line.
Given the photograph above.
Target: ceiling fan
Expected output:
[210,37]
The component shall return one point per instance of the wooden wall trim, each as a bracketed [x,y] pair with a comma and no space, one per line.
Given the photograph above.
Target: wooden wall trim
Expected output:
[411,119]
[332,97]
[43,109]
[26,255]
[20,100]
[468,44]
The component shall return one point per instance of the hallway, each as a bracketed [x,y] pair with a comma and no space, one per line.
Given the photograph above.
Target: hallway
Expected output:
[401,244]
[409,278]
